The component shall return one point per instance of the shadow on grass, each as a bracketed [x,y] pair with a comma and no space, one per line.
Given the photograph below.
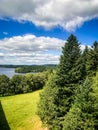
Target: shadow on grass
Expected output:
[3,122]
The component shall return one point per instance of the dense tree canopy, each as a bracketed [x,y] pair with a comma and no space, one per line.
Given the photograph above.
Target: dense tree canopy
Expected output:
[92,60]
[82,114]
[62,85]
[22,83]
[4,85]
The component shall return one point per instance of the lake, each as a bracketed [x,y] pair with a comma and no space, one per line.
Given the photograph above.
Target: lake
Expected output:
[8,71]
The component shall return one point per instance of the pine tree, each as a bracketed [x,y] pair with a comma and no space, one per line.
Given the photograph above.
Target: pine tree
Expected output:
[85,58]
[70,54]
[85,54]
[82,114]
[46,107]
[92,60]
[57,96]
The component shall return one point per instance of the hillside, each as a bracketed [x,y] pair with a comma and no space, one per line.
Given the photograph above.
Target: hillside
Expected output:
[20,112]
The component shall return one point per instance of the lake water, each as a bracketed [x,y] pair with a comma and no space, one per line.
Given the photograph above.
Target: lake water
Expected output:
[8,71]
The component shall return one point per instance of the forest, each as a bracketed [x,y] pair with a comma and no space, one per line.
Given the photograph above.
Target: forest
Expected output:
[69,100]
[19,84]
[69,97]
[34,68]
[30,68]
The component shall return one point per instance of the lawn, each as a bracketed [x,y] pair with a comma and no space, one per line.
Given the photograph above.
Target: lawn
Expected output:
[19,112]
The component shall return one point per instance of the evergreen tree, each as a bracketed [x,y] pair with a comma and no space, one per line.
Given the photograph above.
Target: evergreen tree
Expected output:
[95,89]
[85,58]
[85,54]
[57,96]
[82,114]
[46,107]
[70,55]
[92,60]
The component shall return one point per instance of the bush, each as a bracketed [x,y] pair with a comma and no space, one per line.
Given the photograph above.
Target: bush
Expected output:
[4,85]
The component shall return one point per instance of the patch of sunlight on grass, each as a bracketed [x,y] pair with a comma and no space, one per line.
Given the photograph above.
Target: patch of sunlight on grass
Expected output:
[20,111]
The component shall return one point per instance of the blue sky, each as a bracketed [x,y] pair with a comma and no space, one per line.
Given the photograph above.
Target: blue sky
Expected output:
[33,32]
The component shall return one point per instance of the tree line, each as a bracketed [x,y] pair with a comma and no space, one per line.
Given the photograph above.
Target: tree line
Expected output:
[69,100]
[34,68]
[19,84]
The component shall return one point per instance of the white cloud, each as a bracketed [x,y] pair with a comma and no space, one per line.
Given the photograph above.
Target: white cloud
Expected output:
[68,14]
[30,49]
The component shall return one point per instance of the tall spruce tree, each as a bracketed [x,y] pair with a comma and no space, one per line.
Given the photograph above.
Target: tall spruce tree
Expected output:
[85,58]
[57,96]
[92,60]
[85,54]
[82,115]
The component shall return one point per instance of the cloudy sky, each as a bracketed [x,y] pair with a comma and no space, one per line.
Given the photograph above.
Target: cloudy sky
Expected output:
[34,31]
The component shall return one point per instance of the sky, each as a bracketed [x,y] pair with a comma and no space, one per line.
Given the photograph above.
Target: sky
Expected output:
[34,31]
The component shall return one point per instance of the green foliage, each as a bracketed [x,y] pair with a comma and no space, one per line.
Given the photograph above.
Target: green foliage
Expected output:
[34,68]
[34,82]
[82,114]
[95,94]
[16,84]
[69,53]
[70,67]
[65,103]
[84,59]
[76,120]
[95,85]
[58,94]
[4,85]
[47,109]
[92,60]
[85,53]
[22,83]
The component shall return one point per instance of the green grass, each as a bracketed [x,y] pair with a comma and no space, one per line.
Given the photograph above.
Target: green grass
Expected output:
[20,111]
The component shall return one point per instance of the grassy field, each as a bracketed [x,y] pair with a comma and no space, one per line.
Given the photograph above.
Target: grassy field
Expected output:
[20,112]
